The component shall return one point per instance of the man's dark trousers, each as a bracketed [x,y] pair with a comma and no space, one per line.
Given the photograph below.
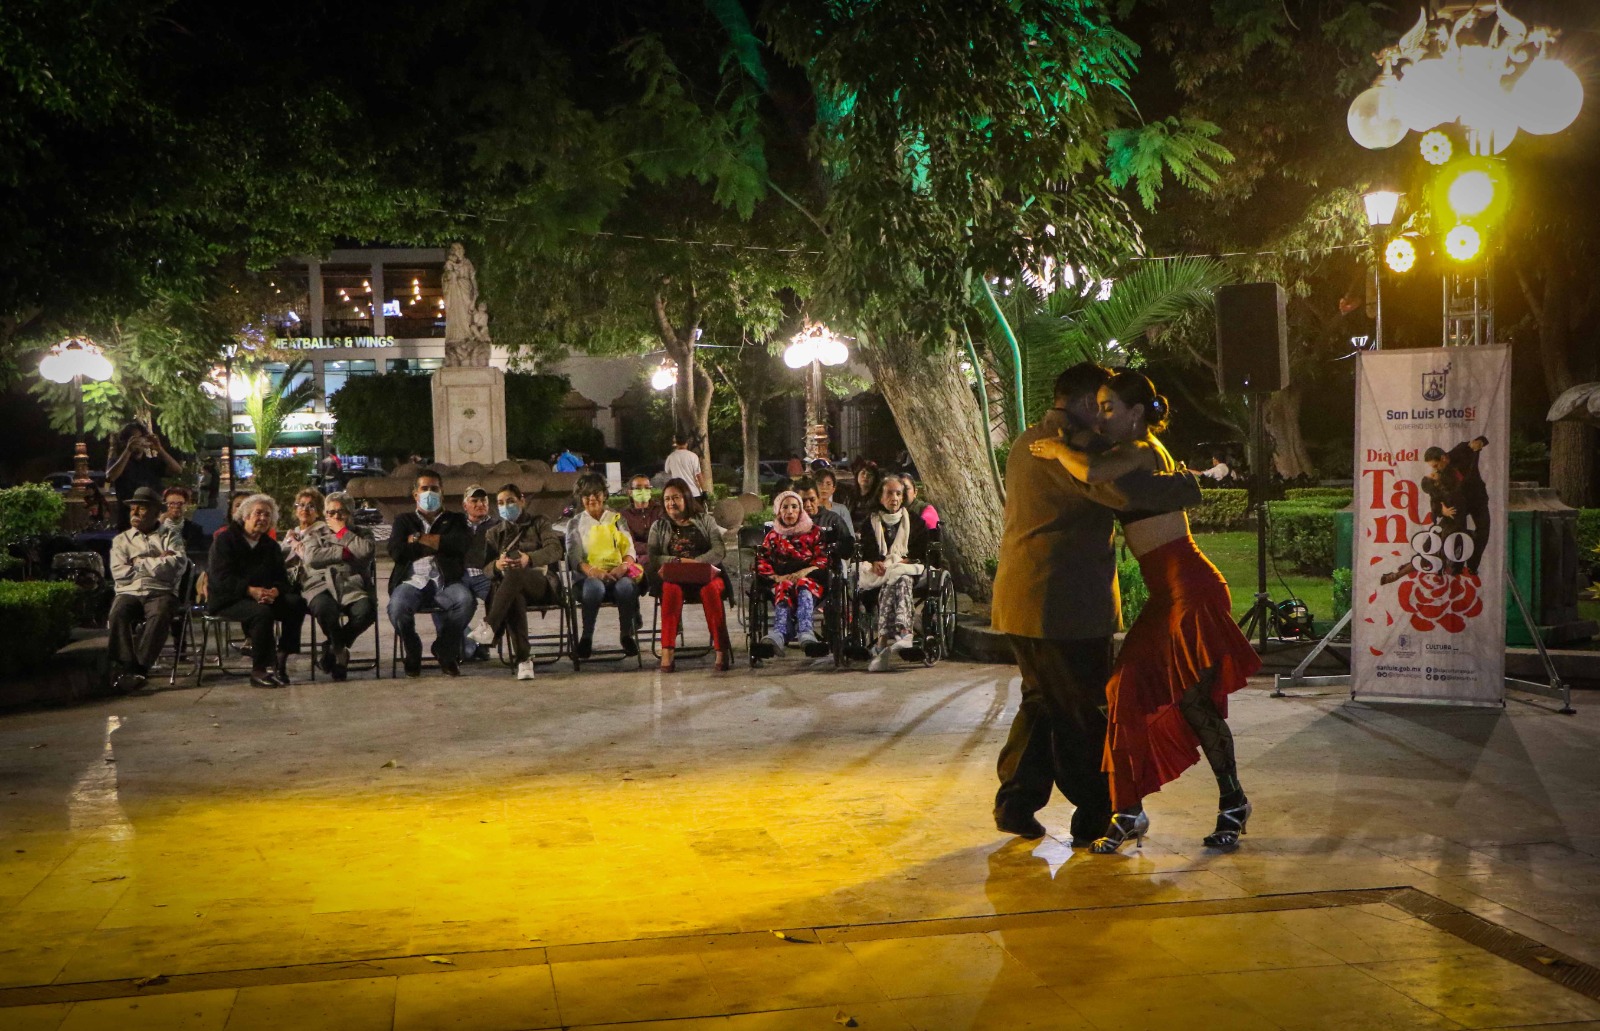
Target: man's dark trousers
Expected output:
[1059,733]
[153,617]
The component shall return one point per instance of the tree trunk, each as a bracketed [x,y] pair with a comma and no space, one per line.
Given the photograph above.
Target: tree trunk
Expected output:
[1562,301]
[1289,454]
[750,435]
[945,432]
[1572,446]
[691,410]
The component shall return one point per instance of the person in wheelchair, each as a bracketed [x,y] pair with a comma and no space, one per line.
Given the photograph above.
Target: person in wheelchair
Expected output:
[684,559]
[791,555]
[894,550]
[521,548]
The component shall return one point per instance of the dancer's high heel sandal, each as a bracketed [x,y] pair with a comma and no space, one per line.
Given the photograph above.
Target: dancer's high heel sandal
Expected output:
[1123,826]
[1230,827]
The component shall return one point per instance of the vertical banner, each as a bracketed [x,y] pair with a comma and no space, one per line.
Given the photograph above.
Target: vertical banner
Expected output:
[1428,570]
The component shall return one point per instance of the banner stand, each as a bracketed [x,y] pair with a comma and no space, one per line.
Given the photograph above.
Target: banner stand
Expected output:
[1557,689]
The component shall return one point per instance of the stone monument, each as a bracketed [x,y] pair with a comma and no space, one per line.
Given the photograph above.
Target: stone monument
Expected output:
[469,395]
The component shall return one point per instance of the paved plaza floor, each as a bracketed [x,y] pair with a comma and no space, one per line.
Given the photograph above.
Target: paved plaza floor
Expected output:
[618,848]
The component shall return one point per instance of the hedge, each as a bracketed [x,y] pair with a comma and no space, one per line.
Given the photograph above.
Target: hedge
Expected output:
[35,620]
[1301,533]
[1221,509]
[31,510]
[1330,497]
[1588,534]
[1131,585]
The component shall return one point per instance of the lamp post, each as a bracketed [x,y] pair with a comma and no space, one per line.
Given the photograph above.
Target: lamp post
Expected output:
[223,384]
[1380,205]
[72,361]
[811,349]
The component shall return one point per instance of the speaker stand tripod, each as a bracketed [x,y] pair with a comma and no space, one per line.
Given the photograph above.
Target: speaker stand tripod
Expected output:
[1262,620]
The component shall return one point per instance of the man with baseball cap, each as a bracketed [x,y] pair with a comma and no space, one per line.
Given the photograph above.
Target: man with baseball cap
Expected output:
[480,520]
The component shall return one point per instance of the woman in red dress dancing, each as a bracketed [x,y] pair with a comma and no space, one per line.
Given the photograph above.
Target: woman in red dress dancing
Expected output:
[1168,693]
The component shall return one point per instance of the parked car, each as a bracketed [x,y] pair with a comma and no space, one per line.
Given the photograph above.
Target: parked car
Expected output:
[62,482]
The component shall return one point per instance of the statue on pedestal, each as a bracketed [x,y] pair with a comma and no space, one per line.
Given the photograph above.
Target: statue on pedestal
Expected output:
[466,321]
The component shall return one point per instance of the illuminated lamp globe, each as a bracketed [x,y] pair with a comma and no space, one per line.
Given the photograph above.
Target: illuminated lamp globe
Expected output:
[52,368]
[664,378]
[1373,119]
[1436,147]
[1463,243]
[1380,206]
[239,386]
[1428,95]
[1400,255]
[832,351]
[1470,193]
[799,354]
[75,357]
[1548,97]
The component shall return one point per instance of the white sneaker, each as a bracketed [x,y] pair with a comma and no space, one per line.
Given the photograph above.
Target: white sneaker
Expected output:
[525,670]
[880,662]
[481,633]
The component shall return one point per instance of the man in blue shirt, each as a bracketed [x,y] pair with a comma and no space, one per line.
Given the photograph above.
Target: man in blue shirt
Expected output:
[568,462]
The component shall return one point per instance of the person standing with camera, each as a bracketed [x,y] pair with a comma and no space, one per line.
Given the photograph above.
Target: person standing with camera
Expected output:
[138,459]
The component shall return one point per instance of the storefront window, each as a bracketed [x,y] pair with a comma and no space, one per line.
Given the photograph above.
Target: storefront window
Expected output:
[347,300]
[336,374]
[291,300]
[414,302]
[275,371]
[413,366]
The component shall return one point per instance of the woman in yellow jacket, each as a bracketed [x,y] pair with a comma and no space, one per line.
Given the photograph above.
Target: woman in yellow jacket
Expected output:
[600,553]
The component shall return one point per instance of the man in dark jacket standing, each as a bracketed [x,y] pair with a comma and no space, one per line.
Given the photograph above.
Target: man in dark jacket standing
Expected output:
[429,548]
[247,582]
[1055,596]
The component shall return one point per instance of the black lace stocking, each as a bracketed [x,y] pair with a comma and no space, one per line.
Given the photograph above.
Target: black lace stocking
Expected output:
[1216,740]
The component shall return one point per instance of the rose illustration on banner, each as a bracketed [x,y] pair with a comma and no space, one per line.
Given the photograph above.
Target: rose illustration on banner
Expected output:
[1441,600]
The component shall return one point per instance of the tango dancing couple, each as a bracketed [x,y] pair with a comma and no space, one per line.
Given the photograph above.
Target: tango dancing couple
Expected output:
[1111,734]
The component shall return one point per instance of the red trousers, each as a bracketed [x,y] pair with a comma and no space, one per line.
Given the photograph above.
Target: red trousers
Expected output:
[710,601]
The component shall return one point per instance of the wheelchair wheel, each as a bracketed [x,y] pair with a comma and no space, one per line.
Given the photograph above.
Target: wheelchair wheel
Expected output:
[758,613]
[947,614]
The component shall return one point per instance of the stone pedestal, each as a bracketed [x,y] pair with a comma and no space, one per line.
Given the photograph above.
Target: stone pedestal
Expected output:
[469,415]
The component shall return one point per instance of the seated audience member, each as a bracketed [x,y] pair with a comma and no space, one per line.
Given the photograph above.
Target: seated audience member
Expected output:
[894,550]
[330,562]
[475,503]
[147,564]
[791,555]
[828,497]
[522,546]
[684,558]
[601,555]
[837,533]
[868,481]
[1219,470]
[249,585]
[175,517]
[429,549]
[642,512]
[919,509]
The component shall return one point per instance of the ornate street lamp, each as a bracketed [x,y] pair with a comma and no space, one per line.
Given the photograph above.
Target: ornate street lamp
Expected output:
[73,361]
[815,346]
[1472,63]
[223,384]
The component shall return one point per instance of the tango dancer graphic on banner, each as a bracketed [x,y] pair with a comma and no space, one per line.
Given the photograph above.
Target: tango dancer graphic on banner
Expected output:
[1429,558]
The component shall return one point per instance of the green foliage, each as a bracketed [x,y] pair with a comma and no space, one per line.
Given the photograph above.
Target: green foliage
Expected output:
[535,427]
[1343,580]
[385,416]
[1302,535]
[1589,535]
[282,478]
[269,404]
[1324,497]
[1224,508]
[1071,325]
[760,518]
[31,510]
[1186,147]
[35,620]
[1130,581]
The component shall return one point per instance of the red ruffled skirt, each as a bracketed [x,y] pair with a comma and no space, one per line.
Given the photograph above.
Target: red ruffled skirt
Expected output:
[1184,629]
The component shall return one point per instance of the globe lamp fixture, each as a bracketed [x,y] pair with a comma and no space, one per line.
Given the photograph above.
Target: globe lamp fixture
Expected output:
[1474,64]
[75,357]
[815,343]
[665,377]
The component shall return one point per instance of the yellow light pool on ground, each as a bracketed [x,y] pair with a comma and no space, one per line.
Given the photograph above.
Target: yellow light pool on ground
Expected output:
[1463,243]
[1470,193]
[1400,255]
